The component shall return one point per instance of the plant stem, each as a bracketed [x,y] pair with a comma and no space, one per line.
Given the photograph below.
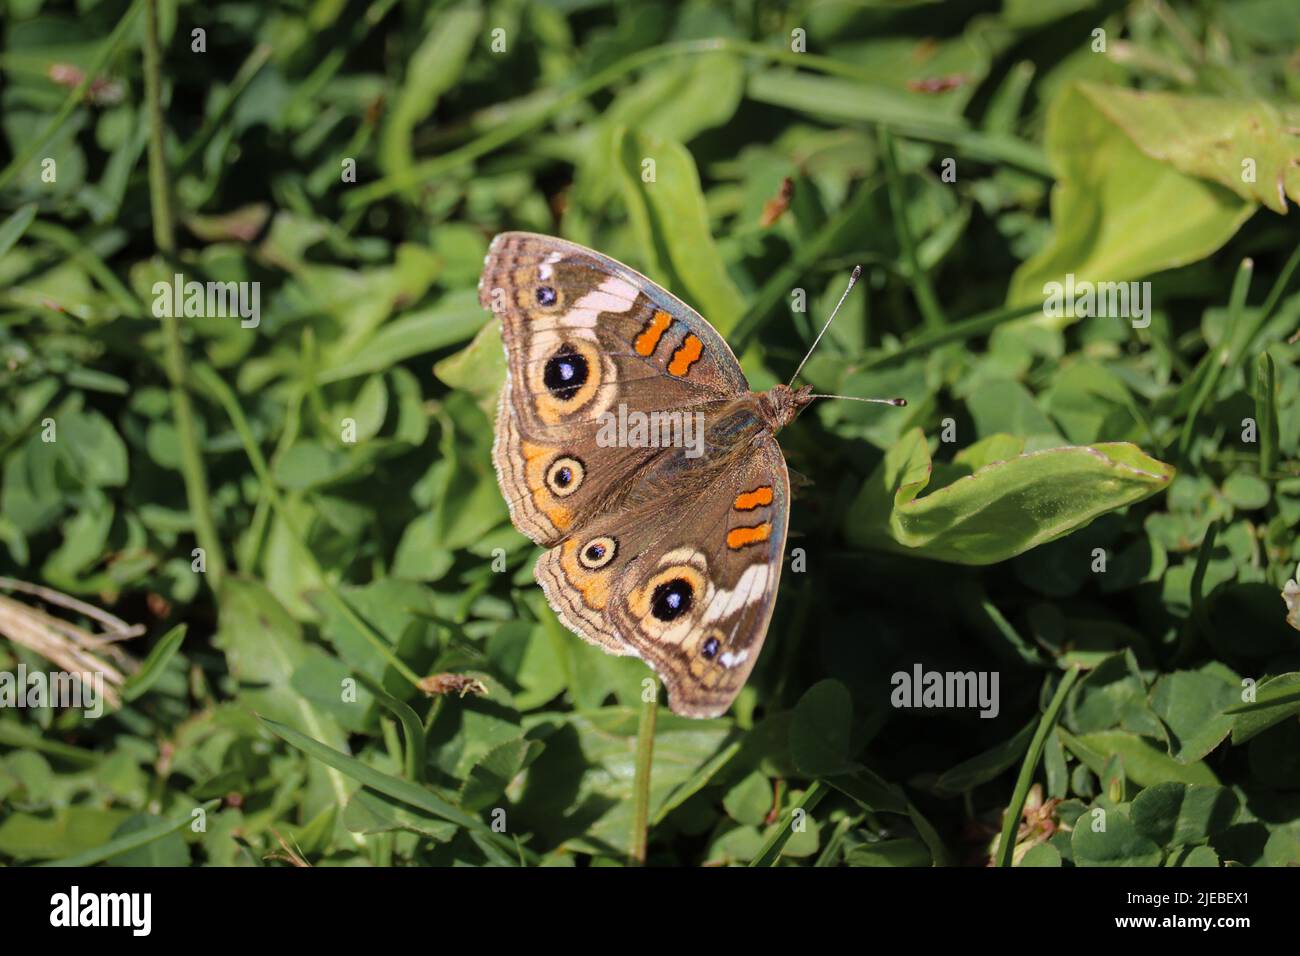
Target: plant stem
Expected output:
[1007,843]
[164,233]
[645,746]
[926,300]
[1266,413]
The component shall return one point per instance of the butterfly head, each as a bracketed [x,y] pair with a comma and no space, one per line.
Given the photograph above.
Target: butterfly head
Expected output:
[781,404]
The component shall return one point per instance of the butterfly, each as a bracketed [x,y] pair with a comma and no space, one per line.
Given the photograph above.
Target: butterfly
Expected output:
[664,541]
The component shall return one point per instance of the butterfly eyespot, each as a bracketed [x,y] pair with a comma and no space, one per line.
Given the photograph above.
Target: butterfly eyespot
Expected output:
[598,552]
[546,295]
[566,372]
[565,476]
[710,648]
[671,599]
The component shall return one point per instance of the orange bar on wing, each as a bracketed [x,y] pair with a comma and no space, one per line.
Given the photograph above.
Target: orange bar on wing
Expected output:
[738,538]
[648,340]
[758,498]
[686,355]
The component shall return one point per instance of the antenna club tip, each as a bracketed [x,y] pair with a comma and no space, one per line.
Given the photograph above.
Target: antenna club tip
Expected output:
[857,271]
[898,402]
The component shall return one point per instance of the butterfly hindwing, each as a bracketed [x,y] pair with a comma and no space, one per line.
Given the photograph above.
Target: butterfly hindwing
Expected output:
[689,587]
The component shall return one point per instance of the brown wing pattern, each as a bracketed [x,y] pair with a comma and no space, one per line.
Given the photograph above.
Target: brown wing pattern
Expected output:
[584,334]
[689,588]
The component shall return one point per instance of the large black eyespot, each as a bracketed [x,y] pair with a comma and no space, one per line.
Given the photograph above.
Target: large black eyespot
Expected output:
[598,552]
[566,372]
[710,648]
[671,599]
[564,476]
[545,295]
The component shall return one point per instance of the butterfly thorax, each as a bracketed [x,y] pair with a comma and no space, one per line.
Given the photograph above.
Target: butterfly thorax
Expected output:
[780,404]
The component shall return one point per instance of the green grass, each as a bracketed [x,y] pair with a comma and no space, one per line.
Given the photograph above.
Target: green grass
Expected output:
[304,518]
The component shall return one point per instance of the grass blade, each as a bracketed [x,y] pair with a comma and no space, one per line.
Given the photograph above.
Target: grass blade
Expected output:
[1007,844]
[1266,413]
[12,229]
[395,787]
[412,728]
[775,843]
[155,664]
[131,841]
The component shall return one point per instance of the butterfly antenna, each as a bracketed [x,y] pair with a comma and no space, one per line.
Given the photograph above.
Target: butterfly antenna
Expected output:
[853,280]
[896,402]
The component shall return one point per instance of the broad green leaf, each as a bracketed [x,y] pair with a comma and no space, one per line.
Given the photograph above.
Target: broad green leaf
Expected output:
[1118,213]
[1246,492]
[70,832]
[479,369]
[454,318]
[819,731]
[1249,146]
[1144,763]
[1275,700]
[1202,856]
[1004,508]
[904,852]
[1172,814]
[1112,695]
[1191,704]
[1043,854]
[1282,848]
[1118,844]
[488,778]
[1006,407]
[167,849]
[749,801]
[126,842]
[662,190]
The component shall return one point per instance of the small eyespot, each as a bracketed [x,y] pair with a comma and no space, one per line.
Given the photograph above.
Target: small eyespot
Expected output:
[671,599]
[710,648]
[564,476]
[546,295]
[598,552]
[565,373]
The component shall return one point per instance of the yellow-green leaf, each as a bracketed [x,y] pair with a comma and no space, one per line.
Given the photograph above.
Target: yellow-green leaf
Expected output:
[1003,508]
[1119,213]
[666,205]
